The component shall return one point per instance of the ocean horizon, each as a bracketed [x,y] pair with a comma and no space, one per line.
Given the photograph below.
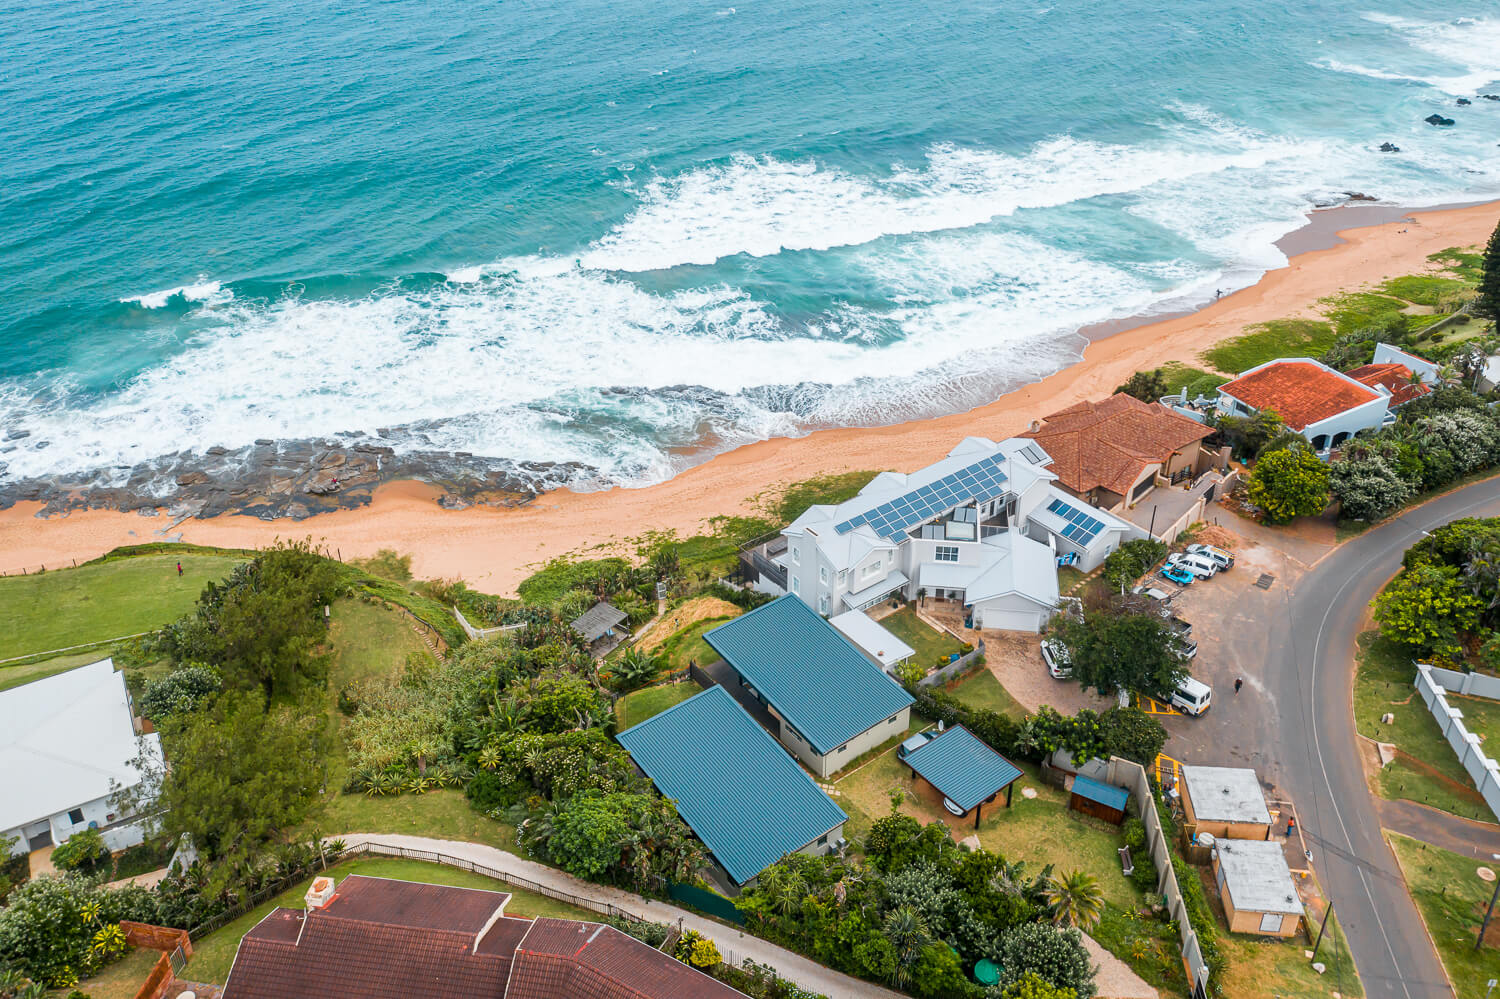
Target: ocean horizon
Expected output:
[624,236]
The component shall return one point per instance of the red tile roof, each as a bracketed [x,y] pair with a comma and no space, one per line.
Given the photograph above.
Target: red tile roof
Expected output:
[1109,444]
[384,939]
[1396,377]
[1300,392]
[566,959]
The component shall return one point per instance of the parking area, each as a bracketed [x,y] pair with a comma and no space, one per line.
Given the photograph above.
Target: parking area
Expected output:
[1236,617]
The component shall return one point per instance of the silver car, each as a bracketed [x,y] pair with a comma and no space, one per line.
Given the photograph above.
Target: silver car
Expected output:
[1059,662]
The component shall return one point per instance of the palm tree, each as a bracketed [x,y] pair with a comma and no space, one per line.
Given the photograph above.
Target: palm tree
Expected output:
[907,932]
[1074,899]
[790,894]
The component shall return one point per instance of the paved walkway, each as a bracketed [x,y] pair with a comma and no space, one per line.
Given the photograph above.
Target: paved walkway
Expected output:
[1444,829]
[734,944]
[1115,980]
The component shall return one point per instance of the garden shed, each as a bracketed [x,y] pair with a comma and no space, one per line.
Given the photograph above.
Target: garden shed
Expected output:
[1102,801]
[600,627]
[1226,802]
[1256,884]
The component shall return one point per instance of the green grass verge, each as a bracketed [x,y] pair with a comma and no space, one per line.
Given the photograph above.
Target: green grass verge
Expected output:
[102,600]
[1466,262]
[1451,899]
[1424,289]
[441,814]
[982,690]
[636,707]
[1383,684]
[214,953]
[687,645]
[1268,341]
[929,644]
[14,676]
[1178,376]
[1358,310]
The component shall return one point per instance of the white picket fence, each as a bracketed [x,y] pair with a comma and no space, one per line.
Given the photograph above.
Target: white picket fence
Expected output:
[1434,684]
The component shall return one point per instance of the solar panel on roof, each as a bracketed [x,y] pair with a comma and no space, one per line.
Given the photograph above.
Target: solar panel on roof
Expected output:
[981,481]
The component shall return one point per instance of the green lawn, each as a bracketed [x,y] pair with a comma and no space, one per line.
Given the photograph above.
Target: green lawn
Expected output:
[214,953]
[441,814]
[1268,341]
[687,645]
[1383,684]
[120,980]
[1178,376]
[929,644]
[634,708]
[1452,899]
[982,690]
[370,640]
[14,676]
[101,601]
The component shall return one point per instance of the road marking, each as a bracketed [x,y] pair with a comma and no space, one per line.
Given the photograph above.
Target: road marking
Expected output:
[1317,745]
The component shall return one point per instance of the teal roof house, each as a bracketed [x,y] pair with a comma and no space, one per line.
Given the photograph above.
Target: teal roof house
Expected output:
[822,698]
[739,791]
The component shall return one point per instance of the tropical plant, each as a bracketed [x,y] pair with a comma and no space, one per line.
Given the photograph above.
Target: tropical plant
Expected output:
[1057,956]
[908,935]
[1074,899]
[1289,483]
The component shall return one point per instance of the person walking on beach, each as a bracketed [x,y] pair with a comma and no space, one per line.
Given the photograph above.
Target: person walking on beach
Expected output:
[1238,683]
[179,568]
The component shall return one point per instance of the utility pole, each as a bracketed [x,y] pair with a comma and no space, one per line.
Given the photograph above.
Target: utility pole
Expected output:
[1487,914]
[1321,930]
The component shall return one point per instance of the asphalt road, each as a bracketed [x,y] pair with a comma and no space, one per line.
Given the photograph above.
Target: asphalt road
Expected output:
[1310,678]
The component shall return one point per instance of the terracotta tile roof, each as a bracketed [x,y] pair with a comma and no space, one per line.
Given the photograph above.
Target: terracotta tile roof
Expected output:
[1396,377]
[566,959]
[1301,392]
[383,939]
[1109,444]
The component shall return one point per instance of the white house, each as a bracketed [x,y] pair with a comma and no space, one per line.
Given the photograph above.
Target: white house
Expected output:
[984,526]
[1326,406]
[66,743]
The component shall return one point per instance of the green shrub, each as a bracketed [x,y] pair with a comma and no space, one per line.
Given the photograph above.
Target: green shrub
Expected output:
[491,792]
[82,851]
[1134,831]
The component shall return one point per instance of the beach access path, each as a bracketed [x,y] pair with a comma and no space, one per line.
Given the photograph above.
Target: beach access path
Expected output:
[734,944]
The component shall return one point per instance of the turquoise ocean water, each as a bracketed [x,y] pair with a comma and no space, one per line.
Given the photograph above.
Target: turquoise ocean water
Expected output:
[621,233]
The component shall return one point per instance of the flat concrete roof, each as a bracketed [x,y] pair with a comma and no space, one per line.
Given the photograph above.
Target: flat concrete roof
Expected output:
[1225,794]
[1257,876]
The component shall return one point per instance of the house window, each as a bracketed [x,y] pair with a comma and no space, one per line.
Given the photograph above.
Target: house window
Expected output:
[946,553]
[892,719]
[796,585]
[76,816]
[796,555]
[843,576]
[823,574]
[872,568]
[844,747]
[823,840]
[823,605]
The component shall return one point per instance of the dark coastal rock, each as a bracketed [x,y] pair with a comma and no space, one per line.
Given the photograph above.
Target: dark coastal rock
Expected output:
[1437,119]
[1359,196]
[1389,147]
[291,479]
[16,435]
[1464,102]
[1491,97]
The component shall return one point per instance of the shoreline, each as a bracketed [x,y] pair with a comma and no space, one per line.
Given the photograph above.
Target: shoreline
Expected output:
[492,548]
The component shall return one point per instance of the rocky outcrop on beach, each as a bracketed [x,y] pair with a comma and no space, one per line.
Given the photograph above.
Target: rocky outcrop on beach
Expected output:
[290,479]
[1437,119]
[1389,147]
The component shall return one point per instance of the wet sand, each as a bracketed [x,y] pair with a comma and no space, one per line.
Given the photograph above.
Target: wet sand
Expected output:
[493,549]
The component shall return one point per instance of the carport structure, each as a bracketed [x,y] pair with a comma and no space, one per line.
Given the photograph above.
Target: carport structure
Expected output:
[964,774]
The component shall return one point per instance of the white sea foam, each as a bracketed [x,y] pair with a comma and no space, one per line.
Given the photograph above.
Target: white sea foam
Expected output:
[201,291]
[1470,43]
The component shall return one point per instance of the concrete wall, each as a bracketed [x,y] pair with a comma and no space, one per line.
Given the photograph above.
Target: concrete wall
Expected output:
[1369,416]
[816,849]
[1483,770]
[100,812]
[1472,684]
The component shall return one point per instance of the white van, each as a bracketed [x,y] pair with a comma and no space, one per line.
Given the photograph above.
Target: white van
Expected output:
[1221,558]
[1199,565]
[1192,697]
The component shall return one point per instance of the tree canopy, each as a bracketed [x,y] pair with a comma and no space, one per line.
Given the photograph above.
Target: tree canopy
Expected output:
[1147,386]
[1289,483]
[1488,302]
[1136,652]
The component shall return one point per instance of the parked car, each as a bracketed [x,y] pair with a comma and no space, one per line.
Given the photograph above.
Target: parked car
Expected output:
[1059,661]
[1181,627]
[1179,576]
[1199,565]
[1192,697]
[915,742]
[1223,559]
[1186,647]
[1152,592]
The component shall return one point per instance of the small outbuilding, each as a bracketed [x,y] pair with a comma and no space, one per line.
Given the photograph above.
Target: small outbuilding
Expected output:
[1256,885]
[1226,802]
[959,773]
[1102,801]
[600,627]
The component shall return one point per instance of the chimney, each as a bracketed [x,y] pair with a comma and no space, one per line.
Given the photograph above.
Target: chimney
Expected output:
[320,894]
[1036,425]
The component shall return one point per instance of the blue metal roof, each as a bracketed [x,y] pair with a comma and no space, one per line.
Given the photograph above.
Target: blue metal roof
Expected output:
[1105,794]
[817,681]
[964,769]
[747,800]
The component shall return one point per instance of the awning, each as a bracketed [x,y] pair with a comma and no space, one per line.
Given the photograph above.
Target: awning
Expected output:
[859,598]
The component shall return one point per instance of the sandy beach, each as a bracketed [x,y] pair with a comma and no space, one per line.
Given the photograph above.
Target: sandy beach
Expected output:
[493,548]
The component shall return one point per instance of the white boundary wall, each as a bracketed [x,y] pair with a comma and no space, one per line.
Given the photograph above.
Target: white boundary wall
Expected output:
[1433,684]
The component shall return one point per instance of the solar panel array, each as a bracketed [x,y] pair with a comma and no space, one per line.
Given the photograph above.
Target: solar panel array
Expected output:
[979,482]
[1081,529]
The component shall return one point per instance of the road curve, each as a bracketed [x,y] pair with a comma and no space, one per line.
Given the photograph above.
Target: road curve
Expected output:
[1313,677]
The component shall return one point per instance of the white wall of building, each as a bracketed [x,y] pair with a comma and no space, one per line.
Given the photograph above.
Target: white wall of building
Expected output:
[1335,430]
